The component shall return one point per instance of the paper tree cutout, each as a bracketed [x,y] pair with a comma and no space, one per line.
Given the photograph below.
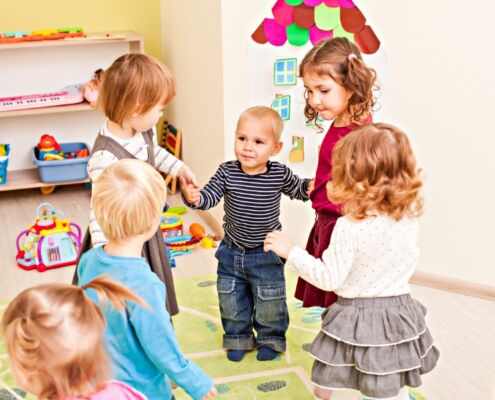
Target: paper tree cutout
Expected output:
[282,105]
[297,150]
[285,72]
[298,21]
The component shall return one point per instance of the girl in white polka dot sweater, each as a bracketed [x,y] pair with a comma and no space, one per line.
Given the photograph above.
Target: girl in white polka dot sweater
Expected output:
[374,338]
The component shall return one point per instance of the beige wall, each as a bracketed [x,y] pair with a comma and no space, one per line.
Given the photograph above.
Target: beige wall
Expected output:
[192,48]
[441,92]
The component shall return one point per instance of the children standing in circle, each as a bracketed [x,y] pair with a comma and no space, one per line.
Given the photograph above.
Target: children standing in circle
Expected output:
[127,199]
[54,336]
[339,87]
[251,283]
[374,338]
[135,90]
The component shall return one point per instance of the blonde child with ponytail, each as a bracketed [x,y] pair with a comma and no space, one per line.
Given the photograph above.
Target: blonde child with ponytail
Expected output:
[54,336]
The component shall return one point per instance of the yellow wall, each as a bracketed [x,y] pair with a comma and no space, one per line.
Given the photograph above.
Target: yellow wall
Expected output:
[92,15]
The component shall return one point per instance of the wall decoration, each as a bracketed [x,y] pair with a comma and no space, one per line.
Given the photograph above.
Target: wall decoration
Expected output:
[282,105]
[297,151]
[300,21]
[285,72]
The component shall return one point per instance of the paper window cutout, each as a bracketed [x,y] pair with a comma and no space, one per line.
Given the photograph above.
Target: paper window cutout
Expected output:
[297,151]
[285,72]
[282,106]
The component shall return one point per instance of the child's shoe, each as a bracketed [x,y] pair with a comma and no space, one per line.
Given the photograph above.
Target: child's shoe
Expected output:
[235,355]
[266,353]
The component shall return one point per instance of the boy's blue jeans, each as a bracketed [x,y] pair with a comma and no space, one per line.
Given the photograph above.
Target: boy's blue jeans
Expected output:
[251,293]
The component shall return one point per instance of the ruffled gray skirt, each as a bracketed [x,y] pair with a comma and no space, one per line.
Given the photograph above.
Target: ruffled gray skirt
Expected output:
[374,345]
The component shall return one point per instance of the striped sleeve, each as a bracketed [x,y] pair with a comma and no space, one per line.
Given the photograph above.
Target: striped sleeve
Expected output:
[165,161]
[295,187]
[214,190]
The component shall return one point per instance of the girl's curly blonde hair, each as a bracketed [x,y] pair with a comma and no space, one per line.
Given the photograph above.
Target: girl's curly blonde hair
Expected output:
[374,171]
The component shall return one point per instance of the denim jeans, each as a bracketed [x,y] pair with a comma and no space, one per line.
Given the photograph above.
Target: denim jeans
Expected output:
[251,293]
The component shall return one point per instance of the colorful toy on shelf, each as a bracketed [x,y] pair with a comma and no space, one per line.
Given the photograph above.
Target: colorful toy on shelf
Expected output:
[44,34]
[51,242]
[48,148]
[4,161]
[68,95]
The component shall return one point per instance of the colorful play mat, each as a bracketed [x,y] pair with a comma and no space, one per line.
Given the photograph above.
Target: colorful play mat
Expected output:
[199,331]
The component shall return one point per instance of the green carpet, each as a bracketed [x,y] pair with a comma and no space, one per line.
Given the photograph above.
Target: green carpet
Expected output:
[199,331]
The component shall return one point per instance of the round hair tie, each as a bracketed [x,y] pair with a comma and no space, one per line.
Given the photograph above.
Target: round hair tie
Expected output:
[351,56]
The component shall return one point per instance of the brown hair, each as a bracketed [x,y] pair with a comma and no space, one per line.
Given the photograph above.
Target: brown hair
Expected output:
[269,117]
[135,83]
[54,336]
[374,170]
[127,198]
[342,61]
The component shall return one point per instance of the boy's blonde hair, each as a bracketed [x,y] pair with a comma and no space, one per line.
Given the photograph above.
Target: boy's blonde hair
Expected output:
[374,170]
[127,199]
[135,83]
[269,116]
[54,337]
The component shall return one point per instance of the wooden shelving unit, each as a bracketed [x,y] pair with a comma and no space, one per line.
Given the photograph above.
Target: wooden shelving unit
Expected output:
[47,110]
[29,178]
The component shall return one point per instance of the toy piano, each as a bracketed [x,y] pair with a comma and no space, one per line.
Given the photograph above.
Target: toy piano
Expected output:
[68,95]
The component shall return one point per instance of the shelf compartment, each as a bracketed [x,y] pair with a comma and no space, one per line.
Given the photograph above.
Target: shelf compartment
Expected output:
[30,179]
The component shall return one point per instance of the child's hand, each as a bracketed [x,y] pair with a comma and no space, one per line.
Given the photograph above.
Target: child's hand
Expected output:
[186,173]
[277,242]
[311,186]
[190,192]
[211,393]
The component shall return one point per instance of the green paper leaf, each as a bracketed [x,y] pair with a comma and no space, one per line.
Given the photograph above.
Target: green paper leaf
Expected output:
[296,35]
[327,18]
[339,31]
[293,2]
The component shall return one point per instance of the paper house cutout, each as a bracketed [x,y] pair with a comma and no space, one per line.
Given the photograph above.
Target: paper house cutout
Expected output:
[285,72]
[298,21]
[282,105]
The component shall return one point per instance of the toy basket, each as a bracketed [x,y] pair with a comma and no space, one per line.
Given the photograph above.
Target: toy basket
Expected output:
[4,161]
[72,169]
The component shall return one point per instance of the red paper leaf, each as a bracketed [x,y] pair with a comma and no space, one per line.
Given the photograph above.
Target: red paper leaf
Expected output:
[352,19]
[259,35]
[367,40]
[304,16]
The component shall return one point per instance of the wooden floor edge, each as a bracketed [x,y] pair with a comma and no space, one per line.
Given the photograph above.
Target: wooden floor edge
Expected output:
[453,285]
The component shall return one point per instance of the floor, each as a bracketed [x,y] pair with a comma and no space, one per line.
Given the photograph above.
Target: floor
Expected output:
[463,327]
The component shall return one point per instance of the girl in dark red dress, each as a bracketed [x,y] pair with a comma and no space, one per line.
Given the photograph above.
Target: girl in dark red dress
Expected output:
[339,87]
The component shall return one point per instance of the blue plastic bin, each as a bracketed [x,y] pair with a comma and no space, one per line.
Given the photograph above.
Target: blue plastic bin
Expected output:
[4,162]
[71,169]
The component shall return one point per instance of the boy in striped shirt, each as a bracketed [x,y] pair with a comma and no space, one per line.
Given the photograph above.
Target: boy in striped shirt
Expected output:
[250,283]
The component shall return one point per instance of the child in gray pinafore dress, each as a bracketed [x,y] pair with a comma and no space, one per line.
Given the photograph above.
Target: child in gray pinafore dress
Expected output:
[135,90]
[374,338]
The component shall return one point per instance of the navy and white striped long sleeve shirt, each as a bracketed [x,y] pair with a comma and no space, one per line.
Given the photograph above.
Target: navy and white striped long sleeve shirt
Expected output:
[252,202]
